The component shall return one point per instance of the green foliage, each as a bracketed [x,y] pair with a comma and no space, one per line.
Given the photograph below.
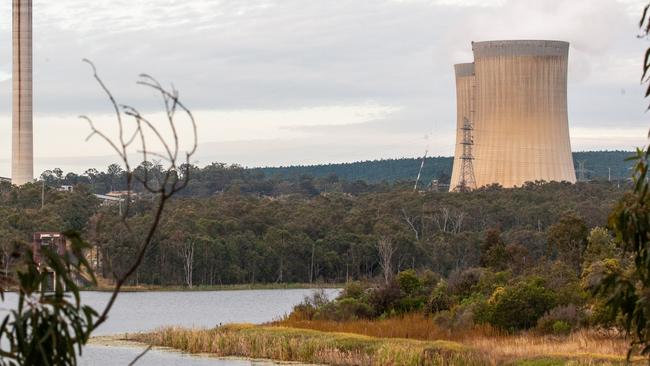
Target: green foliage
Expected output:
[561,328]
[439,299]
[520,305]
[600,246]
[409,282]
[567,239]
[48,328]
[344,309]
[563,280]
[628,292]
[353,178]
[493,251]
[243,238]
[598,163]
[569,315]
[464,283]
[458,318]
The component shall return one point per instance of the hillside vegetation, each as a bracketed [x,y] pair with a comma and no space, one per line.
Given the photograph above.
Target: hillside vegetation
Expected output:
[597,165]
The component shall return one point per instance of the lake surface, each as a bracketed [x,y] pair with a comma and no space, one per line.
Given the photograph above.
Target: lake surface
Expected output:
[143,311]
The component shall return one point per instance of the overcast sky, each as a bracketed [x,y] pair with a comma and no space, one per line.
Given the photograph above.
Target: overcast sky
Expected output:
[280,82]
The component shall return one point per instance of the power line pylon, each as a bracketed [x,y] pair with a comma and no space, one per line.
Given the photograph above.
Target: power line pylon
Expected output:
[582,176]
[467,180]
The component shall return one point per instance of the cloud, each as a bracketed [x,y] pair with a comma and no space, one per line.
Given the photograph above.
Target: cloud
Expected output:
[298,72]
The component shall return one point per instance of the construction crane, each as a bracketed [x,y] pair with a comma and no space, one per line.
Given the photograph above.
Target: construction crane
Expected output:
[420,172]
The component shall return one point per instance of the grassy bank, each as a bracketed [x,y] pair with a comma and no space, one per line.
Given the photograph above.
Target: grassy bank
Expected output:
[240,287]
[499,346]
[338,348]
[308,346]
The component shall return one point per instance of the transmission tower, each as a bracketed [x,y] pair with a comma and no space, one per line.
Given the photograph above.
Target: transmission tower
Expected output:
[582,171]
[467,180]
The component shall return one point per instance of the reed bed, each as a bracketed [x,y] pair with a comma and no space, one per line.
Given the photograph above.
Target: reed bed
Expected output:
[281,343]
[314,347]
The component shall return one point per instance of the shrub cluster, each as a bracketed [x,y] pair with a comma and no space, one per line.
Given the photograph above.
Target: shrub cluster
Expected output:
[552,296]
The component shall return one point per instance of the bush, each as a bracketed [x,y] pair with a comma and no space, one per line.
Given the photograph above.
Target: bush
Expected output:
[561,328]
[459,318]
[385,298]
[411,303]
[570,315]
[409,282]
[439,299]
[344,309]
[308,308]
[519,306]
[463,283]
[563,280]
[354,290]
[429,279]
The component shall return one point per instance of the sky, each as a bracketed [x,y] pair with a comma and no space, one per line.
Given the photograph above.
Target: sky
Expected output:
[283,82]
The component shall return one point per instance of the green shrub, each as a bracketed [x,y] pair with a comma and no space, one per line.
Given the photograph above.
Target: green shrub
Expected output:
[429,279]
[561,328]
[439,299]
[385,298]
[490,281]
[409,282]
[459,318]
[463,283]
[519,306]
[411,303]
[354,290]
[566,314]
[345,309]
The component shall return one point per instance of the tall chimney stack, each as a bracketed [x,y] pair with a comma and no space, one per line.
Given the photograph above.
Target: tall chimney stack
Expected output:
[22,159]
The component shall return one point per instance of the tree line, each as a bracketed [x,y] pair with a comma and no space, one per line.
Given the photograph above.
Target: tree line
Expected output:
[330,235]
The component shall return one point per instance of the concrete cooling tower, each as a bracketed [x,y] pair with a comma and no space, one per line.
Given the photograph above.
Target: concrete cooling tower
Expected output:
[464,86]
[518,113]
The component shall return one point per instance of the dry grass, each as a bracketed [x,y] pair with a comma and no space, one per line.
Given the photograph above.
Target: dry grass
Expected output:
[496,346]
[581,344]
[308,346]
[411,326]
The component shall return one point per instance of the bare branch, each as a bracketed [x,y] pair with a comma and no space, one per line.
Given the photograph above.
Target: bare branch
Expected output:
[172,180]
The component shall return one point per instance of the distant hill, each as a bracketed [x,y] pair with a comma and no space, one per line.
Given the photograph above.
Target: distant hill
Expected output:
[391,170]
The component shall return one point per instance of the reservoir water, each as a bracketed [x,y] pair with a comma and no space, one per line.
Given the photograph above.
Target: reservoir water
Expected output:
[143,311]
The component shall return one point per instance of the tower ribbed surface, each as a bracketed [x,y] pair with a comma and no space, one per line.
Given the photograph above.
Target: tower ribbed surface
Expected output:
[521,130]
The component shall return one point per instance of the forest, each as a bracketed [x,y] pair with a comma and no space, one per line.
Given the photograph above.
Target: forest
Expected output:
[311,229]
[597,165]
[354,178]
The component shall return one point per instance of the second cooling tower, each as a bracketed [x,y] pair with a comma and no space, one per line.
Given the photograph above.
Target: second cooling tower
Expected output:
[518,109]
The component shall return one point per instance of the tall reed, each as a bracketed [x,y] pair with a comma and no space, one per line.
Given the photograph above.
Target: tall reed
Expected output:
[308,346]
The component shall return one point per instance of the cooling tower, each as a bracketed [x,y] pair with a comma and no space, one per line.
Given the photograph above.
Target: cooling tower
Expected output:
[520,123]
[464,84]
[22,160]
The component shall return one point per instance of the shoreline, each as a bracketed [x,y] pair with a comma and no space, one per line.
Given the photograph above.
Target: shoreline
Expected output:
[243,287]
[272,286]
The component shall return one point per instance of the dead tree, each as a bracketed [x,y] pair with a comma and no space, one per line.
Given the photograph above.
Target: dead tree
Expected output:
[410,221]
[187,252]
[386,251]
